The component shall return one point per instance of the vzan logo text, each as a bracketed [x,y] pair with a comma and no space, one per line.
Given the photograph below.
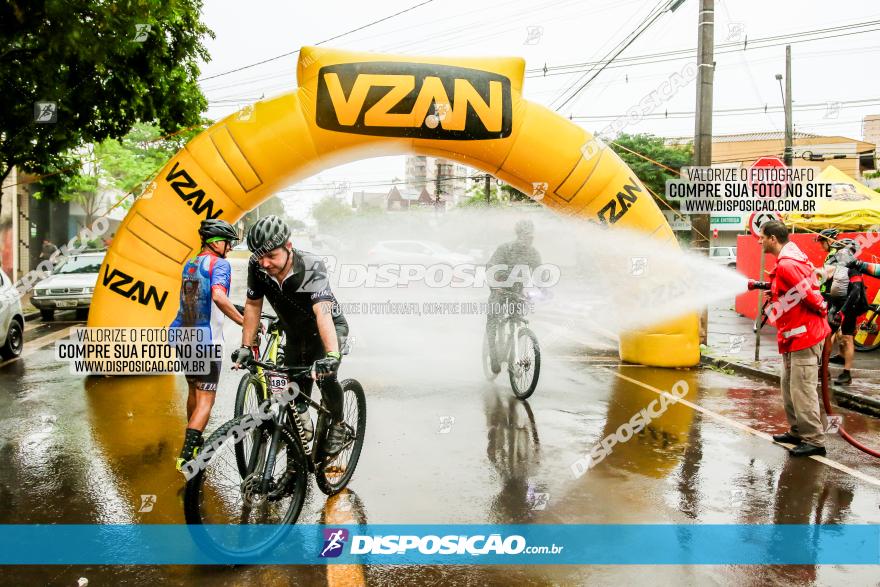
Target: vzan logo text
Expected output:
[196,198]
[137,292]
[615,208]
[396,99]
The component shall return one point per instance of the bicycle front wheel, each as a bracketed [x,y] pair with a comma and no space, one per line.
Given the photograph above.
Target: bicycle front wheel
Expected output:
[867,336]
[525,366]
[248,398]
[333,474]
[235,518]
[487,359]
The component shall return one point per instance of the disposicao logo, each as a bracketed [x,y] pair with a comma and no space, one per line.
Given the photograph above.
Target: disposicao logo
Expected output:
[334,541]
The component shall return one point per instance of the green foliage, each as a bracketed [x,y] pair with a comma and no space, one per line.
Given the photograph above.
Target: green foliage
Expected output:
[84,56]
[127,165]
[330,212]
[370,210]
[273,205]
[650,174]
[502,196]
[296,224]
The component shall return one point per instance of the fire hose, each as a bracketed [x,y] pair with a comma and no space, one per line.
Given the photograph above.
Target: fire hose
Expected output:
[824,376]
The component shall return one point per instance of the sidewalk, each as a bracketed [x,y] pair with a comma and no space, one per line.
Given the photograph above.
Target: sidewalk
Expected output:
[731,342]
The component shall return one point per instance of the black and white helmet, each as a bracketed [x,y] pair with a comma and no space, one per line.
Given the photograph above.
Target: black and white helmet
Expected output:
[829,234]
[850,244]
[270,232]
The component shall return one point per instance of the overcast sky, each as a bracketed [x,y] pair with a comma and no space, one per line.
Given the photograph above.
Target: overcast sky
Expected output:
[840,69]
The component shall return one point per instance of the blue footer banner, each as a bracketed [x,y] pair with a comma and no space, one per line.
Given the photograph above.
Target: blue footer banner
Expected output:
[379,544]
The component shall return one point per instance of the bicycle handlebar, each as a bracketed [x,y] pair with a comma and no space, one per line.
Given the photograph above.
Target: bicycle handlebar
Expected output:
[263,315]
[292,370]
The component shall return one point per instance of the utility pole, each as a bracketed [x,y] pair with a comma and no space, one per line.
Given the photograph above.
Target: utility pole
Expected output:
[16,236]
[437,187]
[789,135]
[487,179]
[703,126]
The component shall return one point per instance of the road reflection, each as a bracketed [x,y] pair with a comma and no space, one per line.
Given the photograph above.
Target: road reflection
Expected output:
[514,449]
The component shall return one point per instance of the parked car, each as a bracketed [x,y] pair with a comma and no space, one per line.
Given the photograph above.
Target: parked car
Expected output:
[11,319]
[415,253]
[723,255]
[70,286]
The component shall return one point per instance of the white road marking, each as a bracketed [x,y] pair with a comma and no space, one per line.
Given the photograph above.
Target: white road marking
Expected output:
[752,431]
[35,325]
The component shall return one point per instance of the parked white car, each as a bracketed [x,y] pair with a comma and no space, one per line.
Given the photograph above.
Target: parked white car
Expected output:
[723,256]
[415,253]
[70,286]
[11,319]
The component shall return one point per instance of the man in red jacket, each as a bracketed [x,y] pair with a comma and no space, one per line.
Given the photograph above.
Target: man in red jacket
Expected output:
[798,311]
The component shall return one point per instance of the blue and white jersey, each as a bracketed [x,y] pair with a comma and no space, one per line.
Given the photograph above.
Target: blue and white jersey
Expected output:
[201,275]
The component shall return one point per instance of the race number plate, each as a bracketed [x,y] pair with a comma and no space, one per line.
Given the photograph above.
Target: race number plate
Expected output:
[277,383]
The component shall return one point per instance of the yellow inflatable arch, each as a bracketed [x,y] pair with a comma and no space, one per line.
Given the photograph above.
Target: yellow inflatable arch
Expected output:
[354,105]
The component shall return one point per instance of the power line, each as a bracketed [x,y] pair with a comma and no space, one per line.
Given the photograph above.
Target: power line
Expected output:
[616,51]
[679,54]
[289,53]
[740,111]
[369,183]
[645,59]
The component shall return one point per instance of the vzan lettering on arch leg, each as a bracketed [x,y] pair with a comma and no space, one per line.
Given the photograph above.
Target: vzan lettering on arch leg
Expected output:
[196,199]
[136,292]
[614,210]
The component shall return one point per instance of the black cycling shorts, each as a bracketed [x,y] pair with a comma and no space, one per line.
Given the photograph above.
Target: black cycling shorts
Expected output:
[848,326]
[207,382]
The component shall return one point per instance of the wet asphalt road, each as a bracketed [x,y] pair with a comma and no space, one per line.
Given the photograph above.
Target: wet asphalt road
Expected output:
[443,445]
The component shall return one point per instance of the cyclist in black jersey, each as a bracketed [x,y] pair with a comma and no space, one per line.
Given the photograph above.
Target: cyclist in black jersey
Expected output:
[297,286]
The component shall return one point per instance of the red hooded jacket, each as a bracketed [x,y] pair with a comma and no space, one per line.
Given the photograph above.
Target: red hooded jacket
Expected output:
[797,310]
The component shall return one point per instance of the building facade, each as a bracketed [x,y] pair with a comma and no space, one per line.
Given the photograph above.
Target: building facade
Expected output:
[422,172]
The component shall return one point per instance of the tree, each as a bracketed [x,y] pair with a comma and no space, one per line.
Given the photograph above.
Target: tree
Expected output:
[104,66]
[497,196]
[272,206]
[129,163]
[330,212]
[652,175]
[126,164]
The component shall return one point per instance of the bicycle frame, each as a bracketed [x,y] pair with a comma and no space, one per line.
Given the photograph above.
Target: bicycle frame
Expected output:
[281,417]
[511,323]
[259,377]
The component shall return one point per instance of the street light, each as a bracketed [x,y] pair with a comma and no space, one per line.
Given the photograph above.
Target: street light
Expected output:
[781,91]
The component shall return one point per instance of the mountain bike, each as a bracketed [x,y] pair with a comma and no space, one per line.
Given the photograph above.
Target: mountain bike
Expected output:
[516,345]
[269,496]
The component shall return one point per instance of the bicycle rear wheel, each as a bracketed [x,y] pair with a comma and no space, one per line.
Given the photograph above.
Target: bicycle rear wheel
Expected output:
[333,474]
[231,517]
[525,367]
